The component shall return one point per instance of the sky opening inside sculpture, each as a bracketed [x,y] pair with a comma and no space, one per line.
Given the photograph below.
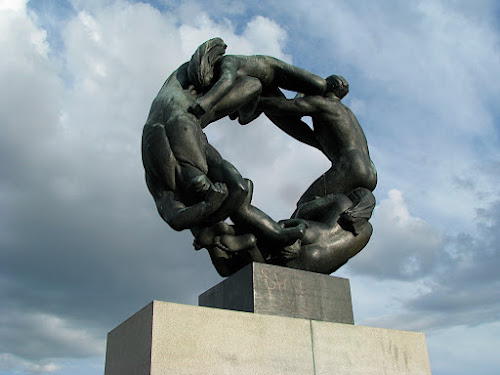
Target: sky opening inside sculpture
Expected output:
[82,246]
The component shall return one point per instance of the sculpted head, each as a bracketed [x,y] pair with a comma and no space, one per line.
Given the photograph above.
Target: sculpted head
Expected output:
[201,66]
[337,85]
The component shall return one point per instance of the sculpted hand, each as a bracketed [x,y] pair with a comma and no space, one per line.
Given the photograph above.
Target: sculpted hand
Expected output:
[200,184]
[220,245]
[289,223]
[217,194]
[196,109]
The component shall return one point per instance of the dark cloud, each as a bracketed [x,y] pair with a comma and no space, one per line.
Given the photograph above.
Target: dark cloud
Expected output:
[463,287]
[468,283]
[93,257]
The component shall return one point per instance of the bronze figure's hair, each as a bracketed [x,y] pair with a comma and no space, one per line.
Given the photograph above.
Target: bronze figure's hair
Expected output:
[338,85]
[201,66]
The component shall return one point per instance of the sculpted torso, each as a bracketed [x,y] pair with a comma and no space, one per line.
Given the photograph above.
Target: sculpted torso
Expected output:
[343,141]
[170,108]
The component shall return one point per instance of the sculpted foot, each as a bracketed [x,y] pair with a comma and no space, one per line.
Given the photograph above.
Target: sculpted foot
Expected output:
[293,234]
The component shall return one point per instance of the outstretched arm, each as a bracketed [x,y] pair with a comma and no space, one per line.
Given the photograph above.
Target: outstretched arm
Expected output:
[285,114]
[301,106]
[296,128]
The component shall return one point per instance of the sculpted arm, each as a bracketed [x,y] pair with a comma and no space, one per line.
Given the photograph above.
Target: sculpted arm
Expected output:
[304,106]
[220,169]
[285,114]
[228,75]
[180,217]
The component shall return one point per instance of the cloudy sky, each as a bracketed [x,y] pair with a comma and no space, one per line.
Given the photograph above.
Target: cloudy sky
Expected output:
[82,247]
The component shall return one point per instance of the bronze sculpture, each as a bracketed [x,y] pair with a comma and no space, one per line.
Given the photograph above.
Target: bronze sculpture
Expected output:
[195,188]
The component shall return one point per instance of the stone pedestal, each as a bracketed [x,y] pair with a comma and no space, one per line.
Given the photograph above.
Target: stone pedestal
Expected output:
[172,339]
[267,289]
[263,320]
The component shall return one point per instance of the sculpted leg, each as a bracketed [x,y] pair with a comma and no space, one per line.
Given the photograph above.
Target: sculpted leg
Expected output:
[226,264]
[157,157]
[329,256]
[228,251]
[253,220]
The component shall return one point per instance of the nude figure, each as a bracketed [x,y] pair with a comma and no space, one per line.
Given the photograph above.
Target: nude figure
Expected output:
[336,132]
[229,77]
[337,206]
[330,239]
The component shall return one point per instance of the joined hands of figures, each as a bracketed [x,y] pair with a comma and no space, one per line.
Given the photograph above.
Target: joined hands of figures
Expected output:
[217,193]
[196,109]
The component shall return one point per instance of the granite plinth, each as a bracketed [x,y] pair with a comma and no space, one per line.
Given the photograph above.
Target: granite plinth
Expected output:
[267,289]
[167,338]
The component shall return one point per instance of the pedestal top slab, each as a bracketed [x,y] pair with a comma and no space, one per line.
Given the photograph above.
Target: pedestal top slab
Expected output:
[273,290]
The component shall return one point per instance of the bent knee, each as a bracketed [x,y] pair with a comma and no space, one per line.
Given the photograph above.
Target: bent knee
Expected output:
[253,86]
[238,192]
[241,188]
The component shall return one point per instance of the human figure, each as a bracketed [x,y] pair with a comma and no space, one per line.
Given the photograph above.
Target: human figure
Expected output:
[175,147]
[336,132]
[330,241]
[180,166]
[218,76]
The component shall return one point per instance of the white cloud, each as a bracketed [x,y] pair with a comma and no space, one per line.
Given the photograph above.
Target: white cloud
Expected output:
[9,362]
[90,26]
[15,5]
[260,150]
[403,246]
[267,37]
[37,336]
[260,36]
